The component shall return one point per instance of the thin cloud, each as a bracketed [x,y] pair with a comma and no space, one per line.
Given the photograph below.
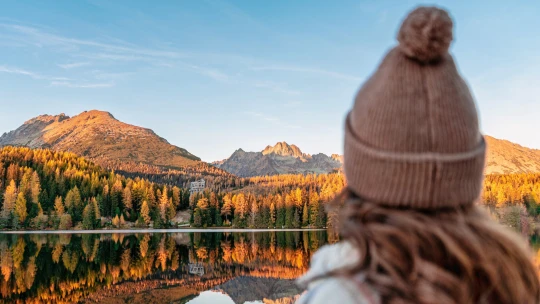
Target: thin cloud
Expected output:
[68,66]
[81,85]
[276,87]
[41,38]
[34,75]
[271,119]
[209,72]
[307,70]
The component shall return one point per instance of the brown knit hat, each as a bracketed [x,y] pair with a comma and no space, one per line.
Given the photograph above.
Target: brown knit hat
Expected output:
[412,137]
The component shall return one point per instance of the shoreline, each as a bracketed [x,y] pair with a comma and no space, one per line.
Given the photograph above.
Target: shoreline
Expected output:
[131,231]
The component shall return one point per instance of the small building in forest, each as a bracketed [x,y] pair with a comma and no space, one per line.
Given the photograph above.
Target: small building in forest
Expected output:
[197,186]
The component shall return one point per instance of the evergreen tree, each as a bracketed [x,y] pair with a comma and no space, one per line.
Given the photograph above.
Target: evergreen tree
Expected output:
[145,213]
[20,208]
[88,217]
[314,207]
[272,214]
[305,216]
[10,197]
[59,206]
[197,218]
[176,197]
[163,205]
[226,210]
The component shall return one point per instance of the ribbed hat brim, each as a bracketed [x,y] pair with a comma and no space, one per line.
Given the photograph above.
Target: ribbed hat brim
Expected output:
[413,180]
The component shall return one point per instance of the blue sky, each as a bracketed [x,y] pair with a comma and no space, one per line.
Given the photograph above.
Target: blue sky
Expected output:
[212,76]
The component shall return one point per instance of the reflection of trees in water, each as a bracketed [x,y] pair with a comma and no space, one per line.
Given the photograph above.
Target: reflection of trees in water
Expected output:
[69,268]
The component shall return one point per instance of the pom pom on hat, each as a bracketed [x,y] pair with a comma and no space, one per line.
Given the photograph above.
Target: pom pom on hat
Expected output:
[426,34]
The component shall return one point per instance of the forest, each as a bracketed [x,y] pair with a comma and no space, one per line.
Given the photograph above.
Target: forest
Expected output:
[44,189]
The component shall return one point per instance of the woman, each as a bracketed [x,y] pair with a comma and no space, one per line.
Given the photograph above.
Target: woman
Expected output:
[414,160]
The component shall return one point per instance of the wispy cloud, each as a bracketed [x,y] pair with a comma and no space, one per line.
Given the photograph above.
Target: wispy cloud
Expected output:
[69,84]
[271,119]
[39,37]
[73,65]
[34,75]
[276,87]
[103,75]
[318,71]
[209,72]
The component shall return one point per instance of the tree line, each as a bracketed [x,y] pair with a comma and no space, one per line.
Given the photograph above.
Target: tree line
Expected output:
[287,201]
[42,189]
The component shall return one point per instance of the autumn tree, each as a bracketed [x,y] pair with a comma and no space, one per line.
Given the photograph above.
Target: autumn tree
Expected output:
[226,210]
[145,213]
[163,205]
[10,197]
[59,206]
[176,197]
[20,208]
[305,216]
[272,214]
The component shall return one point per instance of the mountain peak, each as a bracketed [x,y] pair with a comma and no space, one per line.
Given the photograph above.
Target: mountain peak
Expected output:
[283,149]
[95,114]
[97,135]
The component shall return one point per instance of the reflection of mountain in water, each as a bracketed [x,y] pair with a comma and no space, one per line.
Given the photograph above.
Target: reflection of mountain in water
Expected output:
[243,289]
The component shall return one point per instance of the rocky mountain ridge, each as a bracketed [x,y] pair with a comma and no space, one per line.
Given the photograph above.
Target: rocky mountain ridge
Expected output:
[281,158]
[97,134]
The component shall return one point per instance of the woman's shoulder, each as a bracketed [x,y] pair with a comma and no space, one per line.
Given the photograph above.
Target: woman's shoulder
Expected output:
[322,288]
[329,258]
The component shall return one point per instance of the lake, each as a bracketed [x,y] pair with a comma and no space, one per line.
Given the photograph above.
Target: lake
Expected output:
[195,268]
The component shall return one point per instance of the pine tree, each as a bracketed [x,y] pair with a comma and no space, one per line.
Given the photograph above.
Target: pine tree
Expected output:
[10,197]
[97,214]
[163,205]
[126,199]
[59,206]
[226,210]
[145,213]
[272,214]
[88,217]
[197,218]
[176,197]
[74,205]
[20,208]
[241,208]
[202,206]
[305,216]
[314,206]
[35,187]
[171,211]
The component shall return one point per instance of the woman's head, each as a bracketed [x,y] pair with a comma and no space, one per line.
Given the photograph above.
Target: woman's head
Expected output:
[447,256]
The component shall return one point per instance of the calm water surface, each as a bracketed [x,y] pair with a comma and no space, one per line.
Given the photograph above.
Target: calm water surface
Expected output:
[195,268]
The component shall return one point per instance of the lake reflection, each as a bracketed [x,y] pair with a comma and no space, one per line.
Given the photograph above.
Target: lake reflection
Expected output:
[213,267]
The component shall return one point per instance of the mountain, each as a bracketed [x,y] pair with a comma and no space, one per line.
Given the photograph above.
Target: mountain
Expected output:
[97,135]
[505,157]
[279,159]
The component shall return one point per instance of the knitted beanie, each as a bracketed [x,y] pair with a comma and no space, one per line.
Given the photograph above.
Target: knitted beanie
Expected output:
[412,138]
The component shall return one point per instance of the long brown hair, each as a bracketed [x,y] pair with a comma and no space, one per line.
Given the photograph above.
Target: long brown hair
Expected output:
[449,256]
